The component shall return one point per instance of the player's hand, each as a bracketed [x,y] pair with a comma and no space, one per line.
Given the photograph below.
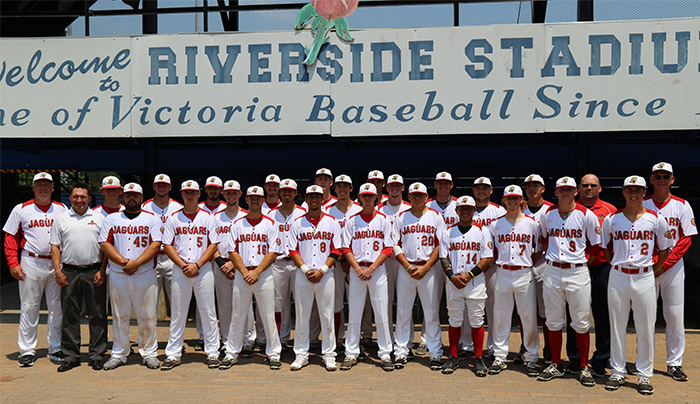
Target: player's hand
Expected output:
[61,279]
[658,270]
[130,268]
[419,273]
[314,275]
[228,270]
[190,270]
[99,279]
[251,277]
[460,281]
[17,272]
[411,270]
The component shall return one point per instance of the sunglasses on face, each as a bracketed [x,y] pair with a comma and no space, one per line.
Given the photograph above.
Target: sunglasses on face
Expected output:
[662,177]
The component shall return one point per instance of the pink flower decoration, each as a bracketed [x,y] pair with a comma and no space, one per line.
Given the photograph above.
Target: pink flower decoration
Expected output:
[333,9]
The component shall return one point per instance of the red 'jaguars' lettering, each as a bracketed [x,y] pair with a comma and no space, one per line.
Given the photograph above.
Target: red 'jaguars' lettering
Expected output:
[255,238]
[190,230]
[40,223]
[633,235]
[514,237]
[369,234]
[566,233]
[418,228]
[465,245]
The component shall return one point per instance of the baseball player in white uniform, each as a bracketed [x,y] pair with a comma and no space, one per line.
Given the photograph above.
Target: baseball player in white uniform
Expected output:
[486,213]
[671,283]
[224,272]
[629,237]
[466,250]
[111,191]
[515,237]
[376,178]
[533,185]
[367,243]
[566,228]
[324,179]
[272,193]
[417,231]
[314,244]
[130,240]
[190,240]
[254,245]
[283,269]
[392,207]
[162,206]
[28,228]
[341,209]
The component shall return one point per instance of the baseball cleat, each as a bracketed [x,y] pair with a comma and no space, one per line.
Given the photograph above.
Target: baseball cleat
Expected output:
[550,372]
[480,367]
[169,363]
[644,386]
[586,378]
[96,364]
[435,364]
[57,357]
[465,354]
[400,362]
[26,361]
[450,366]
[531,369]
[497,367]
[275,364]
[112,364]
[227,362]
[573,367]
[422,349]
[348,363]
[519,359]
[68,365]
[152,362]
[614,383]
[387,364]
[331,364]
[598,371]
[677,373]
[247,352]
[213,362]
[298,364]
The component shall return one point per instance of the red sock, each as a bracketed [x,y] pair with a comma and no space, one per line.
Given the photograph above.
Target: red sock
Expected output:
[337,316]
[555,344]
[454,333]
[278,320]
[545,332]
[583,341]
[478,339]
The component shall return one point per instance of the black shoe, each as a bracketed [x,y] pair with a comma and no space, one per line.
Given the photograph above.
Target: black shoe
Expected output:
[573,367]
[213,362]
[450,366]
[199,345]
[57,357]
[410,355]
[400,362]
[387,365]
[435,364]
[247,352]
[644,386]
[464,354]
[68,365]
[169,363]
[677,373]
[362,356]
[261,347]
[227,362]
[96,364]
[598,371]
[519,359]
[26,361]
[275,364]
[480,367]
[614,383]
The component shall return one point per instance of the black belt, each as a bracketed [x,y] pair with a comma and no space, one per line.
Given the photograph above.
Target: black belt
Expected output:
[83,267]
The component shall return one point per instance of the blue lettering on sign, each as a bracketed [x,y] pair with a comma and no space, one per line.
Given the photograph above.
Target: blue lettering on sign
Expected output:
[222,72]
[257,63]
[470,51]
[636,66]
[378,48]
[326,63]
[659,38]
[560,55]
[517,44]
[162,58]
[595,69]
[418,60]
[287,49]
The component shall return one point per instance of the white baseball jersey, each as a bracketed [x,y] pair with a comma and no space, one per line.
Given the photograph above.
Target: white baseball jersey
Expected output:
[212,209]
[449,213]
[190,234]
[367,239]
[392,211]
[33,224]
[340,216]
[284,224]
[633,242]
[162,214]
[418,237]
[105,211]
[515,244]
[222,224]
[567,237]
[130,237]
[465,250]
[489,214]
[266,208]
[324,207]
[252,239]
[678,214]
[315,239]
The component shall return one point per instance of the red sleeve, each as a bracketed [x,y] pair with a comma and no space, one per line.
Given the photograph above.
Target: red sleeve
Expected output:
[11,249]
[677,253]
[388,251]
[110,237]
[293,252]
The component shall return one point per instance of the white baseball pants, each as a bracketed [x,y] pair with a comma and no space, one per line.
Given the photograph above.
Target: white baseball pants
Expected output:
[164,275]
[518,285]
[324,294]
[490,278]
[378,294]
[572,285]
[638,292]
[182,288]
[427,288]
[466,303]
[392,271]
[283,272]
[39,277]
[671,287]
[137,291]
[224,304]
[264,291]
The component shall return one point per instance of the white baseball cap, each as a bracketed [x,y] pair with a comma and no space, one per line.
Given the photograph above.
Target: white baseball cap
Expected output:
[255,191]
[232,185]
[214,181]
[375,175]
[466,201]
[417,187]
[512,190]
[189,185]
[395,178]
[110,182]
[443,175]
[662,167]
[483,180]
[634,181]
[343,178]
[565,182]
[42,176]
[288,183]
[272,178]
[314,189]
[324,171]
[368,189]
[533,178]
[161,178]
[133,187]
